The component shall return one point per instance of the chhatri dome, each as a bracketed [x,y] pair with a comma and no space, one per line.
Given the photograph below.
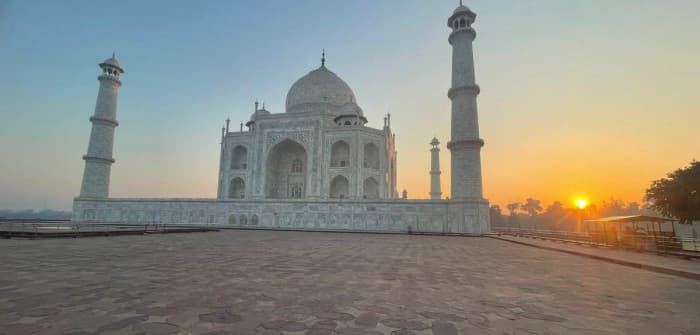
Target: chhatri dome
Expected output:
[113,62]
[318,89]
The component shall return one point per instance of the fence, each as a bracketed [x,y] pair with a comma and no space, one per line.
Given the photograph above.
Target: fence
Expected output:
[65,228]
[643,242]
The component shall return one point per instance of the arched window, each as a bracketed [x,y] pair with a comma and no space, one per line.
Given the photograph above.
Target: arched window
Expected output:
[243,219]
[297,166]
[232,219]
[371,156]
[295,191]
[462,23]
[254,220]
[340,154]
[239,158]
[348,123]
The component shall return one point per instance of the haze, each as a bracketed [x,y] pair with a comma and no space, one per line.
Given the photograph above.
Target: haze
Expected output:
[594,98]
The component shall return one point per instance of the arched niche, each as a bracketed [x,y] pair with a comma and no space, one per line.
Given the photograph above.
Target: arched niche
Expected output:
[340,154]
[236,189]
[370,188]
[340,188]
[239,158]
[371,156]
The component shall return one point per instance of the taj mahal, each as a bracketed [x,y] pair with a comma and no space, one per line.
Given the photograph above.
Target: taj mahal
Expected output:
[317,166]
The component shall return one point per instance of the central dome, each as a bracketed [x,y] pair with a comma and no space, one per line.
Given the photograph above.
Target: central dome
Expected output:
[317,89]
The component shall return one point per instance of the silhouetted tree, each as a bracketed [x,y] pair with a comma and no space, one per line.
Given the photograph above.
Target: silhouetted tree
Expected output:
[512,218]
[612,207]
[532,207]
[512,207]
[554,215]
[678,195]
[496,216]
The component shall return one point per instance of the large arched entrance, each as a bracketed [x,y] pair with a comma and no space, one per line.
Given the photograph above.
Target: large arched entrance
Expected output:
[285,176]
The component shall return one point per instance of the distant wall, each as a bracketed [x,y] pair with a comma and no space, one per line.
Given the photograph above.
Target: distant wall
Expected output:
[464,217]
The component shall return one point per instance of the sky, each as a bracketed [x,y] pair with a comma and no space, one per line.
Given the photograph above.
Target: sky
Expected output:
[582,97]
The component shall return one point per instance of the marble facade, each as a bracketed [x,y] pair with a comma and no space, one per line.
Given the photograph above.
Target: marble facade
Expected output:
[316,166]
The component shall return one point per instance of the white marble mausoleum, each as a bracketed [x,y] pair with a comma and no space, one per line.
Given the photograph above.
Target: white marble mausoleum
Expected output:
[315,166]
[320,148]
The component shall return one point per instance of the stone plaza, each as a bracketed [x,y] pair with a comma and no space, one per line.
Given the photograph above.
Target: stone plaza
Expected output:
[276,282]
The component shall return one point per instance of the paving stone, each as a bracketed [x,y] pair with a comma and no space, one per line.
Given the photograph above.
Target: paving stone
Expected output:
[545,317]
[39,312]
[358,331]
[402,332]
[157,328]
[328,281]
[19,328]
[220,317]
[367,320]
[290,326]
[405,324]
[442,316]
[123,323]
[319,331]
[444,328]
[325,324]
[335,316]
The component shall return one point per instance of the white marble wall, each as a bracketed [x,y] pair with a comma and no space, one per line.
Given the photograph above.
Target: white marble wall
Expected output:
[398,216]
[316,133]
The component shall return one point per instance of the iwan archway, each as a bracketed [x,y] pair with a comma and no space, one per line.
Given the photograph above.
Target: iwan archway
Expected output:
[285,171]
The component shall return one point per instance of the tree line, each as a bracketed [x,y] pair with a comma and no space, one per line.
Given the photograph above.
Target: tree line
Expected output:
[532,214]
[676,196]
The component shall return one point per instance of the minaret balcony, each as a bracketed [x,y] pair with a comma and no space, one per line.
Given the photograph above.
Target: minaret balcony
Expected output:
[465,144]
[110,77]
[471,89]
[459,32]
[97,119]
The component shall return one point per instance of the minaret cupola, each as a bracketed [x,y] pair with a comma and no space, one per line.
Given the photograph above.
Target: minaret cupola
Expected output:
[257,114]
[111,68]
[462,18]
[350,114]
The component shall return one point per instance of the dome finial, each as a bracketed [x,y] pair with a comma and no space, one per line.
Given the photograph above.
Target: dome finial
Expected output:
[113,53]
[323,57]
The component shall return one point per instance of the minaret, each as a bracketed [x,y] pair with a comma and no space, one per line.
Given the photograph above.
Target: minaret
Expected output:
[98,161]
[435,190]
[465,144]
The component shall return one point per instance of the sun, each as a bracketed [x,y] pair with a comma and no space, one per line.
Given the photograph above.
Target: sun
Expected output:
[581,203]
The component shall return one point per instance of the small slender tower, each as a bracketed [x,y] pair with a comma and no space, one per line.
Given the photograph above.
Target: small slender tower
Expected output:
[435,189]
[98,161]
[465,144]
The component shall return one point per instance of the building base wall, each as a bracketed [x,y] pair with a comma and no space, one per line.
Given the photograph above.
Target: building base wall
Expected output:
[391,216]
